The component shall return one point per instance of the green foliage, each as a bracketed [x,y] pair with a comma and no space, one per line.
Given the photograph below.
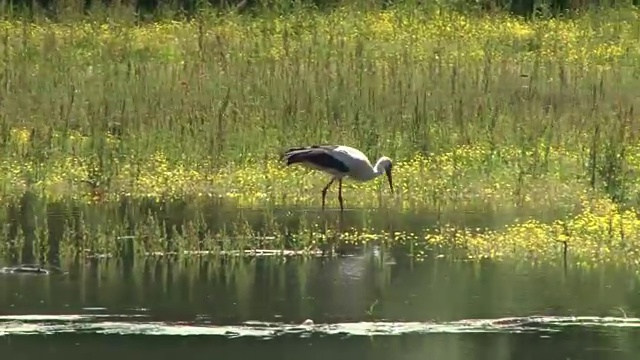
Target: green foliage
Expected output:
[477,110]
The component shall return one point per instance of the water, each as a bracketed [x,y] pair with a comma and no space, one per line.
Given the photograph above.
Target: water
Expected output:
[36,227]
[368,306]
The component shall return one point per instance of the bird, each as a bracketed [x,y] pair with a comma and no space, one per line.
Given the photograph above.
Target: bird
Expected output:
[339,161]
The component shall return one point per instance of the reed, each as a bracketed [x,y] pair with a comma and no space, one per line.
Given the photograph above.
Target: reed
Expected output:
[477,110]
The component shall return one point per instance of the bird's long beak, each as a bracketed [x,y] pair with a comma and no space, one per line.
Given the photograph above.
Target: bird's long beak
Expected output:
[389,177]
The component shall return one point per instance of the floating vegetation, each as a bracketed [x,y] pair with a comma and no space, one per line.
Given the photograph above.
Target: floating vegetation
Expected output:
[163,137]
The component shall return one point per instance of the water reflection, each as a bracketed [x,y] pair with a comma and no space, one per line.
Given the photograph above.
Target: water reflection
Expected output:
[291,290]
[340,291]
[375,288]
[569,345]
[36,229]
[217,292]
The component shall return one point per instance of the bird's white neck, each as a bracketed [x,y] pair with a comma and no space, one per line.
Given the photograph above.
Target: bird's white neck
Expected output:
[378,169]
[375,171]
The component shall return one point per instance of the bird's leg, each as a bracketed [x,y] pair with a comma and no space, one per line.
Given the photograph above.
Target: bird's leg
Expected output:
[324,191]
[340,194]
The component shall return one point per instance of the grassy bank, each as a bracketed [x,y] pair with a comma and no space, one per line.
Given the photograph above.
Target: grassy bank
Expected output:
[475,109]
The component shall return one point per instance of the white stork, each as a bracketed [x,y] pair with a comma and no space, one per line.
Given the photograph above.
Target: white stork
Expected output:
[339,161]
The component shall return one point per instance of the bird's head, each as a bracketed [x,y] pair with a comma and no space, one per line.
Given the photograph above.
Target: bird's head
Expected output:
[387,165]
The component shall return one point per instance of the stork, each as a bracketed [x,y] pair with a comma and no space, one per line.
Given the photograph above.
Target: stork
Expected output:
[339,161]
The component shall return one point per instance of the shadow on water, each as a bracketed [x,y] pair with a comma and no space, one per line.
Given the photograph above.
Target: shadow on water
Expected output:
[361,306]
[35,230]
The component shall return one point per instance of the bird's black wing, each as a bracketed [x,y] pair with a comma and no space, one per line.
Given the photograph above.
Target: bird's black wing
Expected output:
[325,148]
[318,155]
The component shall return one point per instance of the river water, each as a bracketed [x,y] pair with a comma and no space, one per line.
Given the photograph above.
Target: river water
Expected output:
[368,306]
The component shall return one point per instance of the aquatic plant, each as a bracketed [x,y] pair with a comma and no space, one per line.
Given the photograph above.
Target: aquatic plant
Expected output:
[601,232]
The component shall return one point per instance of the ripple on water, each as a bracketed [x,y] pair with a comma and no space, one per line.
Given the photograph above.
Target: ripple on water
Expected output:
[114,324]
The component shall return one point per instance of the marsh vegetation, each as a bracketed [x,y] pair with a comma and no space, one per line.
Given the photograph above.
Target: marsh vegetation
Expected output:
[115,128]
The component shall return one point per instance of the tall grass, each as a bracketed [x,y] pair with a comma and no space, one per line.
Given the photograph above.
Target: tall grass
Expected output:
[104,94]
[471,107]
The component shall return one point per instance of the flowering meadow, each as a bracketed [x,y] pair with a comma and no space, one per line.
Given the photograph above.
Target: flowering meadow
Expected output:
[477,111]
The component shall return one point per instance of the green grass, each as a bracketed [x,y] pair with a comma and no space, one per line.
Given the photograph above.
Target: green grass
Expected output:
[477,111]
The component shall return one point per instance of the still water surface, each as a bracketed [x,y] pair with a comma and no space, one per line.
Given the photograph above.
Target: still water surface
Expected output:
[363,307]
